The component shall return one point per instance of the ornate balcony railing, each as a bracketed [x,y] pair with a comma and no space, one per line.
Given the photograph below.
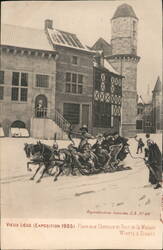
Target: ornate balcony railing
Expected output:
[41,112]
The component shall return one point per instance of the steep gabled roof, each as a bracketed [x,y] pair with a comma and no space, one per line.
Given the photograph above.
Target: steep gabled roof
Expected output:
[102,45]
[24,37]
[157,87]
[124,10]
[66,39]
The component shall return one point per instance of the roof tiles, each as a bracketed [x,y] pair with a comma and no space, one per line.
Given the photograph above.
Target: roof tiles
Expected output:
[66,39]
[24,37]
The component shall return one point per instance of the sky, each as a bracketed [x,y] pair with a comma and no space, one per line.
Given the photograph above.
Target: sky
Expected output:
[90,20]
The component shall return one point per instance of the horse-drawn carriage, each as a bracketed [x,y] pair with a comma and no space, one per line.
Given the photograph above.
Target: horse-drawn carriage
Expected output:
[73,161]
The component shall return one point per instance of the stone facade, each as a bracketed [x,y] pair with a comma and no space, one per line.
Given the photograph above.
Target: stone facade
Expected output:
[30,62]
[124,60]
[74,79]
[157,106]
[83,67]
[124,36]
[127,66]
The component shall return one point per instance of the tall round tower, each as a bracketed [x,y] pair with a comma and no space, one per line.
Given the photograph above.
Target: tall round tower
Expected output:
[124,59]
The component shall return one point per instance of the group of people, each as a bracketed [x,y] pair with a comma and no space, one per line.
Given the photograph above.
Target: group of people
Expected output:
[152,153]
[104,140]
[102,146]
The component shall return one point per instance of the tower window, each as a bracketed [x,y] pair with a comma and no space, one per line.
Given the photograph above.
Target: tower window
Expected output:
[134,29]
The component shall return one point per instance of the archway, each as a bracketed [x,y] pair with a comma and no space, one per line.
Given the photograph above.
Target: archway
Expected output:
[18,124]
[18,129]
[41,104]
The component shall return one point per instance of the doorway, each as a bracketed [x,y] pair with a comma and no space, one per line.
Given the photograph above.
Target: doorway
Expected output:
[85,114]
[41,104]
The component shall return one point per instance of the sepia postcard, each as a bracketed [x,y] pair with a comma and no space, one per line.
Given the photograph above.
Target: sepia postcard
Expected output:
[81,122]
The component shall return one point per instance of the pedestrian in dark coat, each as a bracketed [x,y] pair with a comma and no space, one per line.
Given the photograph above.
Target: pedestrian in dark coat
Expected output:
[154,162]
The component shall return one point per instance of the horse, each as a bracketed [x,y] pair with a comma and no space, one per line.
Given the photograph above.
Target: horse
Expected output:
[33,153]
[47,156]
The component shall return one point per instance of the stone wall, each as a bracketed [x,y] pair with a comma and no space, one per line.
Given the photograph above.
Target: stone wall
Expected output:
[128,68]
[123,37]
[84,67]
[11,111]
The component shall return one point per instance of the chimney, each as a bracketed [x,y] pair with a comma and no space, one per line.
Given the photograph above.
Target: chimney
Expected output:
[48,24]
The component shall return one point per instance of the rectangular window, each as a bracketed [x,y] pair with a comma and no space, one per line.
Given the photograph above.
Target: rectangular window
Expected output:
[68,87]
[74,88]
[15,94]
[23,94]
[102,115]
[19,93]
[139,124]
[73,83]
[68,77]
[74,60]
[1,77]
[80,78]
[80,89]
[1,92]
[71,112]
[42,81]
[74,77]
[15,78]
[24,79]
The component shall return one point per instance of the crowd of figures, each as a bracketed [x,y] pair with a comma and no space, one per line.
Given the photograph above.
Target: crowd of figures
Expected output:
[105,155]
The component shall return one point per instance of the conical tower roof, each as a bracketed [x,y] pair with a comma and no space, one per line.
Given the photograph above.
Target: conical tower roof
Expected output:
[157,87]
[124,10]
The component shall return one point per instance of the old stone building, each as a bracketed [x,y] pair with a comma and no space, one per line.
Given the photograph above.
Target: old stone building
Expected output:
[28,72]
[157,106]
[52,68]
[149,108]
[74,79]
[123,57]
[140,115]
[144,120]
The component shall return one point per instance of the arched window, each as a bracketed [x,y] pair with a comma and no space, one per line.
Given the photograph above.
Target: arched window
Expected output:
[41,104]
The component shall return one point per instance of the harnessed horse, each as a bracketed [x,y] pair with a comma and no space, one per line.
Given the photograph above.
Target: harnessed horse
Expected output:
[44,155]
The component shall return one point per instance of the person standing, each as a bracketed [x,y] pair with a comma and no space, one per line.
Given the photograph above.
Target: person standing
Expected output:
[153,160]
[140,145]
[40,109]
